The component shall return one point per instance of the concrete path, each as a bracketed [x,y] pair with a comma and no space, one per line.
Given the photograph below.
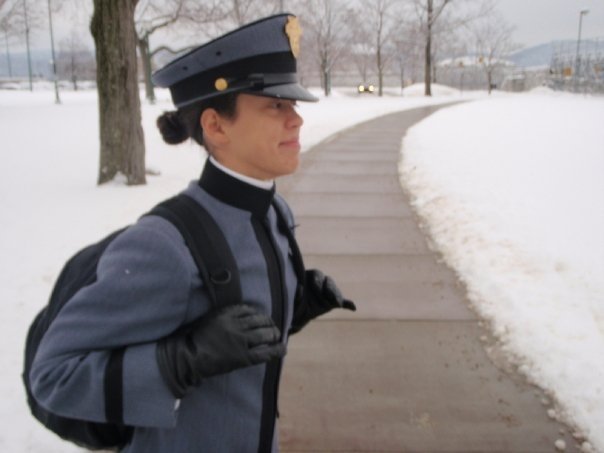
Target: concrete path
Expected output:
[408,371]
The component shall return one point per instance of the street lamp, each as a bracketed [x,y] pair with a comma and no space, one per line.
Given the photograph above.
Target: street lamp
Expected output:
[582,13]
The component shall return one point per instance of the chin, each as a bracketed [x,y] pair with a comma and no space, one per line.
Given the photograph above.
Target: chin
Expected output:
[290,168]
[295,164]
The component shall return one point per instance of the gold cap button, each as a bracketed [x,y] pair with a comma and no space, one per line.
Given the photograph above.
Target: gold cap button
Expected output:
[221,84]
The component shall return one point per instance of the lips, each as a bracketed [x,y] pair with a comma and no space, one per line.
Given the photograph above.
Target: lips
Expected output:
[294,142]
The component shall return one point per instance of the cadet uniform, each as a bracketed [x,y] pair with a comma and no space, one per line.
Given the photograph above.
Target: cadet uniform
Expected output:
[148,285]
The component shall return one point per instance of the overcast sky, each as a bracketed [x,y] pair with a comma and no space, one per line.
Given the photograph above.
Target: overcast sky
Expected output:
[541,21]
[536,21]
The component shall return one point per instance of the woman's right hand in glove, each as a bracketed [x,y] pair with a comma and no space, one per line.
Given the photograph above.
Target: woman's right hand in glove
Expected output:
[222,340]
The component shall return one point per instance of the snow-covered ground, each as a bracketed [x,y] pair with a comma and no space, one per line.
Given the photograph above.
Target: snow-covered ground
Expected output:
[511,190]
[50,206]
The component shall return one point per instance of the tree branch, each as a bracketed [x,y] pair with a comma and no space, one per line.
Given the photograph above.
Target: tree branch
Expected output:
[172,51]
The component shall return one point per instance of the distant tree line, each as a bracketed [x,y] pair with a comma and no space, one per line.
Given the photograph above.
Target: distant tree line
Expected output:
[365,40]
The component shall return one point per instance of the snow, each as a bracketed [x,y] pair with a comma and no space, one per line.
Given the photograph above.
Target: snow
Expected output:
[469,61]
[417,89]
[511,192]
[50,206]
[510,189]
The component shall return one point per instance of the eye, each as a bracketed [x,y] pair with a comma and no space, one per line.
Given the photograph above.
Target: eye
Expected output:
[281,104]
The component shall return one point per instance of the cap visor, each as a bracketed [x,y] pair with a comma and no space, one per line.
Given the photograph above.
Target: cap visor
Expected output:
[286,91]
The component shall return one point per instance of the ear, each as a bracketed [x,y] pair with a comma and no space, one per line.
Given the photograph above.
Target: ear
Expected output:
[212,125]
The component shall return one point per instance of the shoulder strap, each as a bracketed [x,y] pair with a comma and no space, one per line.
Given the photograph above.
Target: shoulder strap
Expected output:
[207,245]
[283,224]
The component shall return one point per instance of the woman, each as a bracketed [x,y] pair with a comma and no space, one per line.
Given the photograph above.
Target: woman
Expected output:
[212,386]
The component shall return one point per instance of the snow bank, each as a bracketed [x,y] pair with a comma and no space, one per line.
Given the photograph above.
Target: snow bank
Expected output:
[511,190]
[418,89]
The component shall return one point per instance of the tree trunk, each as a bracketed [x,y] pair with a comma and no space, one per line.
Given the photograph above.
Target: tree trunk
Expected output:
[74,78]
[121,133]
[143,48]
[10,66]
[325,78]
[327,82]
[428,65]
[380,72]
[27,30]
[402,79]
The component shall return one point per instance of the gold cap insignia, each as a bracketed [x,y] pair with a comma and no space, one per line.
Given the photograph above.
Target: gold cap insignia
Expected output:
[221,84]
[293,32]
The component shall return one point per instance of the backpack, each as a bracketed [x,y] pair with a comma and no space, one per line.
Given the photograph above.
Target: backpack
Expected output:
[218,271]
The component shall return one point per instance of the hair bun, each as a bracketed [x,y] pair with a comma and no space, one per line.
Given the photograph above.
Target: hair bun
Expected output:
[171,128]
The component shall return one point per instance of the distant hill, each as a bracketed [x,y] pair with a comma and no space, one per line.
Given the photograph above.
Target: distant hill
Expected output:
[40,64]
[541,55]
[531,57]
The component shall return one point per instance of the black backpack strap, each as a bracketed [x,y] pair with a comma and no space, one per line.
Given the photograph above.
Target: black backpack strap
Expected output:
[298,261]
[207,245]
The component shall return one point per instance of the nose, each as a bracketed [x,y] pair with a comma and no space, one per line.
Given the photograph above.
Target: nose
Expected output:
[295,119]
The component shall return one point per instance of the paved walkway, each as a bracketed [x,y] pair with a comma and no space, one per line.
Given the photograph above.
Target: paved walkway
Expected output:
[408,371]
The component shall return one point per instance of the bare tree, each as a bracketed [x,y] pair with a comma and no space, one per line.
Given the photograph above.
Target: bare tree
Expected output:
[380,19]
[57,6]
[244,11]
[122,141]
[446,40]
[150,17]
[493,43]
[27,28]
[8,28]
[411,50]
[154,15]
[74,61]
[362,55]
[327,30]
[407,53]
[207,18]
[24,17]
[430,13]
[360,50]
[23,20]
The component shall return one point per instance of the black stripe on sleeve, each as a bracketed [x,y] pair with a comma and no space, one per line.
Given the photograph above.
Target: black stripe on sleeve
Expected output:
[113,386]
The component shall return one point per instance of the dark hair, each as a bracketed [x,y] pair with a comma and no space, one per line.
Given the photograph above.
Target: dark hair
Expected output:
[178,125]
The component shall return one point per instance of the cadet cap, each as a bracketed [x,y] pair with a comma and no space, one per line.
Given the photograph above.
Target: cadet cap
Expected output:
[258,58]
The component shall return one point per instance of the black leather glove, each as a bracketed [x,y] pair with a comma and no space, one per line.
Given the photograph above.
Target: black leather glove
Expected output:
[222,340]
[321,295]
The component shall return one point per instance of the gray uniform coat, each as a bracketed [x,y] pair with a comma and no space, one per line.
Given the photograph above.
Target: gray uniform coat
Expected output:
[147,287]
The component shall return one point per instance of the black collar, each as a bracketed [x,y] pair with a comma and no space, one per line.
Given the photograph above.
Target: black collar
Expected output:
[235,192]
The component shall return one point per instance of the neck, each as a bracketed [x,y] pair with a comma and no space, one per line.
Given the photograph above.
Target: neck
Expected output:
[266,185]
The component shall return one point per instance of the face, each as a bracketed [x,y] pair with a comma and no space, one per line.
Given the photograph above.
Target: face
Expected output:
[263,139]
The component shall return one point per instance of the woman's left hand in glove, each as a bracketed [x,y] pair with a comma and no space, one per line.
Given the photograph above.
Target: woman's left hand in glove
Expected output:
[325,293]
[320,296]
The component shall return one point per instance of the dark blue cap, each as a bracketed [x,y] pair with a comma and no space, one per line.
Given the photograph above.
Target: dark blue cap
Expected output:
[258,58]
